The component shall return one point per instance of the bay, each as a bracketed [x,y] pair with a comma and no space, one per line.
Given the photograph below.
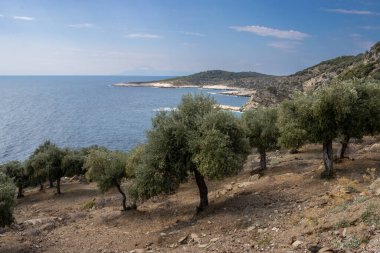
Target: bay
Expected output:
[79,111]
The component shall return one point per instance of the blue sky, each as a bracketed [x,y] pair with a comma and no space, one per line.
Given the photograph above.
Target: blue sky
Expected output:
[175,37]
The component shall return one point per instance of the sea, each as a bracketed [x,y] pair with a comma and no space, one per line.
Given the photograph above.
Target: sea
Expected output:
[79,111]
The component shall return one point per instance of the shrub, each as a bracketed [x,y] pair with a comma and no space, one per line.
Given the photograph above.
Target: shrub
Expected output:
[7,199]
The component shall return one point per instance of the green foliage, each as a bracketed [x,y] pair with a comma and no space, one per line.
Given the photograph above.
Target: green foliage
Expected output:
[15,170]
[107,168]
[195,137]
[53,162]
[35,168]
[292,135]
[261,128]
[334,65]
[361,70]
[221,148]
[7,199]
[134,159]
[72,162]
[215,160]
[163,166]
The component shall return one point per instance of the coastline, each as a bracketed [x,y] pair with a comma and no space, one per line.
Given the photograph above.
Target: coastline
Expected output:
[228,91]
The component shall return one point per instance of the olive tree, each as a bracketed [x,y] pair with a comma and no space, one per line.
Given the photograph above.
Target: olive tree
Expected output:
[15,170]
[196,139]
[321,115]
[262,131]
[53,165]
[7,199]
[362,116]
[292,135]
[35,169]
[72,162]
[46,162]
[107,169]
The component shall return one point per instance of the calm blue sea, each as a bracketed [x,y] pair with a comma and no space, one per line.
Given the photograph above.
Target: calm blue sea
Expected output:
[78,111]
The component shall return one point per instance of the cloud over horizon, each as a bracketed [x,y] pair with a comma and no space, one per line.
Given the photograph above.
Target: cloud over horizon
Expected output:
[82,25]
[353,12]
[193,33]
[142,36]
[25,18]
[271,32]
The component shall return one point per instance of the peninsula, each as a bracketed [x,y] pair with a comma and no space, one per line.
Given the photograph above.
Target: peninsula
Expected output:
[263,89]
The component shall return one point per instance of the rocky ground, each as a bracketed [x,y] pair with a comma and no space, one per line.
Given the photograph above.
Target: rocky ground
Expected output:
[288,209]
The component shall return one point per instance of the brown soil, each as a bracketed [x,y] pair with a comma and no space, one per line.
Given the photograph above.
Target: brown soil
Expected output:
[288,205]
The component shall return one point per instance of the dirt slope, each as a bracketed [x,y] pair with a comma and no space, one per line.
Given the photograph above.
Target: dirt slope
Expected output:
[289,209]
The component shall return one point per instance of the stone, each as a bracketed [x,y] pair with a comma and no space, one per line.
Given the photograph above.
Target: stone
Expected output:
[375,187]
[254,177]
[296,244]
[48,226]
[202,245]
[313,248]
[137,251]
[344,234]
[214,239]
[223,192]
[325,250]
[228,187]
[195,237]
[250,228]
[183,239]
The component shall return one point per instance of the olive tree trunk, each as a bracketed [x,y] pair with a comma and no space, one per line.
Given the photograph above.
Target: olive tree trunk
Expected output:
[41,186]
[328,160]
[20,194]
[203,191]
[51,185]
[59,186]
[124,196]
[344,146]
[263,160]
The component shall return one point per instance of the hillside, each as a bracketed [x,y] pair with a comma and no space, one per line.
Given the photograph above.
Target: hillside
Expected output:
[288,209]
[267,89]
[213,77]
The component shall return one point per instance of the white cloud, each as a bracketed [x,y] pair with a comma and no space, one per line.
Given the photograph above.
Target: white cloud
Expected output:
[284,45]
[271,32]
[354,12]
[193,34]
[142,36]
[82,25]
[23,18]
[355,36]
[371,27]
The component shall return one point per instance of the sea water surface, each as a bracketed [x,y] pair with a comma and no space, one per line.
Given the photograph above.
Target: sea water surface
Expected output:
[79,111]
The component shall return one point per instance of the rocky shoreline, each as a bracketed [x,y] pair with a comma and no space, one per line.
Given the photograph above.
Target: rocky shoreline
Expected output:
[227,90]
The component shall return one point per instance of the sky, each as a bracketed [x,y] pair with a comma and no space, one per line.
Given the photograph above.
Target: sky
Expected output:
[179,37]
